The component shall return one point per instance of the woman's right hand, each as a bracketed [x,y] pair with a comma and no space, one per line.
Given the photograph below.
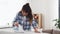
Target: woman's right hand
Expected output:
[16,24]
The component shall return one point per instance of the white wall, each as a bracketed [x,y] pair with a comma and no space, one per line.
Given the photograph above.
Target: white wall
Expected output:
[52,12]
[3,12]
[8,10]
[49,10]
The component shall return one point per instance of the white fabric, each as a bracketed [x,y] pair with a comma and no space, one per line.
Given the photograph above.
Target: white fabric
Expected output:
[21,31]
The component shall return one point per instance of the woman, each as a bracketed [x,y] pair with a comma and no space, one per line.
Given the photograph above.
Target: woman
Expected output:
[25,18]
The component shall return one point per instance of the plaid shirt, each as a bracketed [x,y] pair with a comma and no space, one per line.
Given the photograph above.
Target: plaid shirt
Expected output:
[26,25]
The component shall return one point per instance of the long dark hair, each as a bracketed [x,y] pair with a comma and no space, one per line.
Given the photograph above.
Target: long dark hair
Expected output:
[26,8]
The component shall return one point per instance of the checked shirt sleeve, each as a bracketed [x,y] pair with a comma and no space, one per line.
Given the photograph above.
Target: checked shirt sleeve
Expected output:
[34,23]
[18,19]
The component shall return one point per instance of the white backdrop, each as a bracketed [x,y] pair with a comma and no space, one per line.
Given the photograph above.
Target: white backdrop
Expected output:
[8,10]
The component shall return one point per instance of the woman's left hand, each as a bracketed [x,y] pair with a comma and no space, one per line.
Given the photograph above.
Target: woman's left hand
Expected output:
[36,30]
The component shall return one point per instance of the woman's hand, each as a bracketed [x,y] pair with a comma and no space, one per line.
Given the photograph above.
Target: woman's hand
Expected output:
[16,24]
[36,30]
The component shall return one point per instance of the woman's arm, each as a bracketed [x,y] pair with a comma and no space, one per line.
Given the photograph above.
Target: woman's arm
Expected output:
[34,24]
[17,20]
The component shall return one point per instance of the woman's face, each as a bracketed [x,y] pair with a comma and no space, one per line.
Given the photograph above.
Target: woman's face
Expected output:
[24,13]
